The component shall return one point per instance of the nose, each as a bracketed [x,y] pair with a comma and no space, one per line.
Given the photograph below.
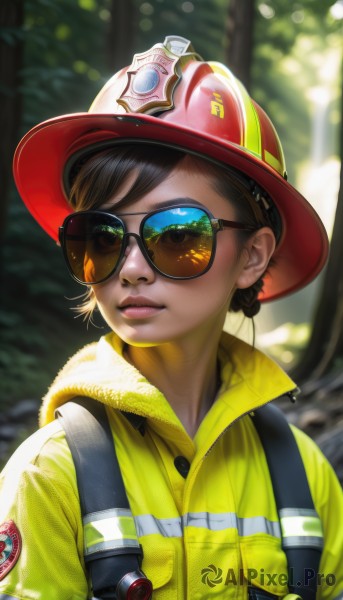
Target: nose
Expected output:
[135,268]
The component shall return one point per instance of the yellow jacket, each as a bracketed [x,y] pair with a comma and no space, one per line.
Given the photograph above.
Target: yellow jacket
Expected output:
[201,534]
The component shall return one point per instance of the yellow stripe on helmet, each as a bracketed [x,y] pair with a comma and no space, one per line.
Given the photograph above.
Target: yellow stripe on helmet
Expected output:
[252,140]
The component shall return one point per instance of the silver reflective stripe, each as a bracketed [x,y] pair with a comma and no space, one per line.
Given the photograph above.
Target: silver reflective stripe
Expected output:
[117,528]
[301,527]
[245,527]
[109,529]
[211,521]
[149,525]
[6,597]
[339,597]
[105,514]
[251,525]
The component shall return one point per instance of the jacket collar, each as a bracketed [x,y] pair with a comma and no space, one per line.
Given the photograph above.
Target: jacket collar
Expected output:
[249,380]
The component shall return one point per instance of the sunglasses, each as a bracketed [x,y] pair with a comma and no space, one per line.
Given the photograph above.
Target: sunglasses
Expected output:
[178,242]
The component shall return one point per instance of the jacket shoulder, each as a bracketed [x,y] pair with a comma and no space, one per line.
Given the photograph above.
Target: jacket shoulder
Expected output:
[43,454]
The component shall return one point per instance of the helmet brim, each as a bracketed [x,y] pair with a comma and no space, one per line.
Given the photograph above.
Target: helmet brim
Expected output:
[41,156]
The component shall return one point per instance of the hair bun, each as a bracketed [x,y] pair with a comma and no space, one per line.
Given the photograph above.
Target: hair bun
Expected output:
[246,300]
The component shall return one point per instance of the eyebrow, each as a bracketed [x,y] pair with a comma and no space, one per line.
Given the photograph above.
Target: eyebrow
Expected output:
[177,201]
[164,204]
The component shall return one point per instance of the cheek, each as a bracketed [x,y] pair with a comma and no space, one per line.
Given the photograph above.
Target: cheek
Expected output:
[221,279]
[104,299]
[212,292]
[228,259]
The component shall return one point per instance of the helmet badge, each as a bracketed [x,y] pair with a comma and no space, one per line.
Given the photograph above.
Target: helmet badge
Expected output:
[151,79]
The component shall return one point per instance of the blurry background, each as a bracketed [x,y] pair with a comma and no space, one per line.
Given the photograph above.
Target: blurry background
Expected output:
[55,55]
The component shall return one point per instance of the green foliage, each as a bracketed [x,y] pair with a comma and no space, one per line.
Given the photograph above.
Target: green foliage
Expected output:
[65,65]
[286,343]
[36,325]
[59,36]
[200,21]
[283,91]
[38,331]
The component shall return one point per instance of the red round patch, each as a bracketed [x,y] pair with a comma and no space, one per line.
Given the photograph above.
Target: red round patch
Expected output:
[10,547]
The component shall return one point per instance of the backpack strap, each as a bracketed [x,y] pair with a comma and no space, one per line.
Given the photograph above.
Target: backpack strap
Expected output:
[301,530]
[111,547]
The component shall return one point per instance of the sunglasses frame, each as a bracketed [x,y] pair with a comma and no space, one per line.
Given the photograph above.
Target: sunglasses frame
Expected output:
[217,225]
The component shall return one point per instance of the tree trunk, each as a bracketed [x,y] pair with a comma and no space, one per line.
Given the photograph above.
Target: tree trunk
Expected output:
[326,341]
[240,27]
[121,36]
[11,51]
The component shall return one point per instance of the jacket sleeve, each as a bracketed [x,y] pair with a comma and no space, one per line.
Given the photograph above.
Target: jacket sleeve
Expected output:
[39,502]
[327,495]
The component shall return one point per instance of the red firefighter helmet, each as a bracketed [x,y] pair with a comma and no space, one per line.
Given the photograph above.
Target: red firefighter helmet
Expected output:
[169,96]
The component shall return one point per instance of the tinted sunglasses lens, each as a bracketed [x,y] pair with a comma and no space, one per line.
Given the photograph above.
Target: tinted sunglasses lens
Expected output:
[92,244]
[179,241]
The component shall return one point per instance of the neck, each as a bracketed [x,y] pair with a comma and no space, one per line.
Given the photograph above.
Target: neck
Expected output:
[187,376]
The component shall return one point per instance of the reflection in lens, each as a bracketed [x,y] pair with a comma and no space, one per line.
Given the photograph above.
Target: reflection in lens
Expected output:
[93,243]
[179,240]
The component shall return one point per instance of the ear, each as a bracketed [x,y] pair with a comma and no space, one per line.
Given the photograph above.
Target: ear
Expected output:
[256,254]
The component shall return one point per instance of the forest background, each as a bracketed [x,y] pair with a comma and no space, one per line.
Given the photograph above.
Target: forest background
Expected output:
[55,55]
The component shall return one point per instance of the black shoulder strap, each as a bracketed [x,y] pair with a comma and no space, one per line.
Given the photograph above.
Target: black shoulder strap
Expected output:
[101,490]
[302,539]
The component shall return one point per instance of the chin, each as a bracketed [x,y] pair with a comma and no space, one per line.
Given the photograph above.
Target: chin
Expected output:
[138,339]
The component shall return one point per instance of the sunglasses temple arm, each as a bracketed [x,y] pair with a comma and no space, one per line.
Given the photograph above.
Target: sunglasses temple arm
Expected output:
[219,224]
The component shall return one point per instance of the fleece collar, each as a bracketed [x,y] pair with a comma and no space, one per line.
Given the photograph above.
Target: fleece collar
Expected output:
[249,379]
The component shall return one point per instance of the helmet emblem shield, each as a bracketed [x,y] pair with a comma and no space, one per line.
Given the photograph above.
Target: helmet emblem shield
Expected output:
[151,80]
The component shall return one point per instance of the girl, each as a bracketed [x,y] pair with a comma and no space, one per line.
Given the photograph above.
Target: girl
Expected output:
[170,202]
